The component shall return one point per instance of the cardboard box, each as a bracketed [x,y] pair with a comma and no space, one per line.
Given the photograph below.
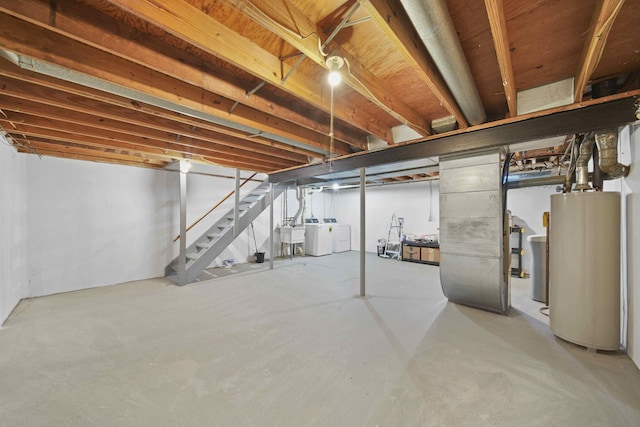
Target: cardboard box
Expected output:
[430,254]
[411,252]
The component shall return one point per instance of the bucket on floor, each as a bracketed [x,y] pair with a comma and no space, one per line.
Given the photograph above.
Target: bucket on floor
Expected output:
[259,257]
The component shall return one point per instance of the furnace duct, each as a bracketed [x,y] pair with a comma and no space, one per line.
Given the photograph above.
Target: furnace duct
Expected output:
[435,28]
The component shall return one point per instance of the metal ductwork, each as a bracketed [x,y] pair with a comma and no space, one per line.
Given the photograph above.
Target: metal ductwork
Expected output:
[434,25]
[607,142]
[582,164]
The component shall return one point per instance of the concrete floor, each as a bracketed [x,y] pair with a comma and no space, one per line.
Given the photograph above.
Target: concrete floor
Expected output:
[296,347]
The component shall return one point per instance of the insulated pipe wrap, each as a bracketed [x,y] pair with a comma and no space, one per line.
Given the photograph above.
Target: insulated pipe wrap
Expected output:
[582,164]
[607,141]
[434,26]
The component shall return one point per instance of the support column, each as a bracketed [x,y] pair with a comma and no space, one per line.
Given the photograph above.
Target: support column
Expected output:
[362,230]
[236,206]
[182,258]
[271,243]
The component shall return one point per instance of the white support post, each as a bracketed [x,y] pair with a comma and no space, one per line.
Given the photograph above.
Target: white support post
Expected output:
[182,259]
[362,230]
[271,242]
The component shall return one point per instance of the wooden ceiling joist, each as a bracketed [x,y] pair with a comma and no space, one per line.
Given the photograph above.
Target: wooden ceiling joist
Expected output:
[495,10]
[393,21]
[604,16]
[52,92]
[48,128]
[39,142]
[294,27]
[200,30]
[72,55]
[96,120]
[92,28]
[42,146]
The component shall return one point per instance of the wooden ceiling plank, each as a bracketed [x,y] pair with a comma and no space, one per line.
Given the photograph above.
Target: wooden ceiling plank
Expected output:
[305,36]
[27,39]
[31,125]
[495,11]
[53,92]
[393,21]
[197,28]
[88,26]
[97,120]
[604,16]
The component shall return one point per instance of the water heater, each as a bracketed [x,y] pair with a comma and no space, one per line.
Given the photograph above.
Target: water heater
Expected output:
[584,268]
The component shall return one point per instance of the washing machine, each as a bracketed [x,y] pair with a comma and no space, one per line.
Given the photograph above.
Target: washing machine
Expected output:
[318,239]
[341,235]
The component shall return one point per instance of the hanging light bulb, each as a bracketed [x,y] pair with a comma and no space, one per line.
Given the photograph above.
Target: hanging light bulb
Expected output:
[334,63]
[334,78]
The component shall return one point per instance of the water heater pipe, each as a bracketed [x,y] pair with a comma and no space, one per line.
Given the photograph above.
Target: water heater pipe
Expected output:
[607,141]
[582,164]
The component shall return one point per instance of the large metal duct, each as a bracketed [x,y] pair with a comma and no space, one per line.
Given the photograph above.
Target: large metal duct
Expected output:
[435,27]
[473,242]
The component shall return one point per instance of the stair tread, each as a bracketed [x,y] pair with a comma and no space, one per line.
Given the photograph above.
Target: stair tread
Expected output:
[249,207]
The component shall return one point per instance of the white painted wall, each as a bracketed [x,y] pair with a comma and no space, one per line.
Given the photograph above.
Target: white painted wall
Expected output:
[13,230]
[93,224]
[410,201]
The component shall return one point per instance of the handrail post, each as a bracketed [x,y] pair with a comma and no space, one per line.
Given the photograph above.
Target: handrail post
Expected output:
[236,208]
[224,199]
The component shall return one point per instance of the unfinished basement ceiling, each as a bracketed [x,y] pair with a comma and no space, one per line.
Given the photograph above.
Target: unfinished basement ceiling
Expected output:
[145,83]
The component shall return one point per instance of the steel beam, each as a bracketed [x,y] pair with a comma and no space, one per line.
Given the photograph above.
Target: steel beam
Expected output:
[612,113]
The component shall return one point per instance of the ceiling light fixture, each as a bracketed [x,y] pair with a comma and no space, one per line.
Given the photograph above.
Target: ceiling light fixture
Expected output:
[334,63]
[185,166]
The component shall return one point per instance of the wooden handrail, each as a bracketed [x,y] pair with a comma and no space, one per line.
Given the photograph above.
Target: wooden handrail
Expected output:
[216,205]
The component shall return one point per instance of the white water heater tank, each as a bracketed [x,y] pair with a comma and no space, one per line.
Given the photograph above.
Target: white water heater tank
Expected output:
[584,268]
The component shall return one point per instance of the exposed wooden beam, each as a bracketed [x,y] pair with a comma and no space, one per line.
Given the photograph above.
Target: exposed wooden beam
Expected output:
[393,21]
[95,118]
[197,28]
[498,23]
[59,144]
[616,110]
[35,42]
[304,35]
[604,16]
[97,30]
[49,91]
[43,127]
[44,147]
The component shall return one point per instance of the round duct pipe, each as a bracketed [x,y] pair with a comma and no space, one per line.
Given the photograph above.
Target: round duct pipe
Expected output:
[434,26]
